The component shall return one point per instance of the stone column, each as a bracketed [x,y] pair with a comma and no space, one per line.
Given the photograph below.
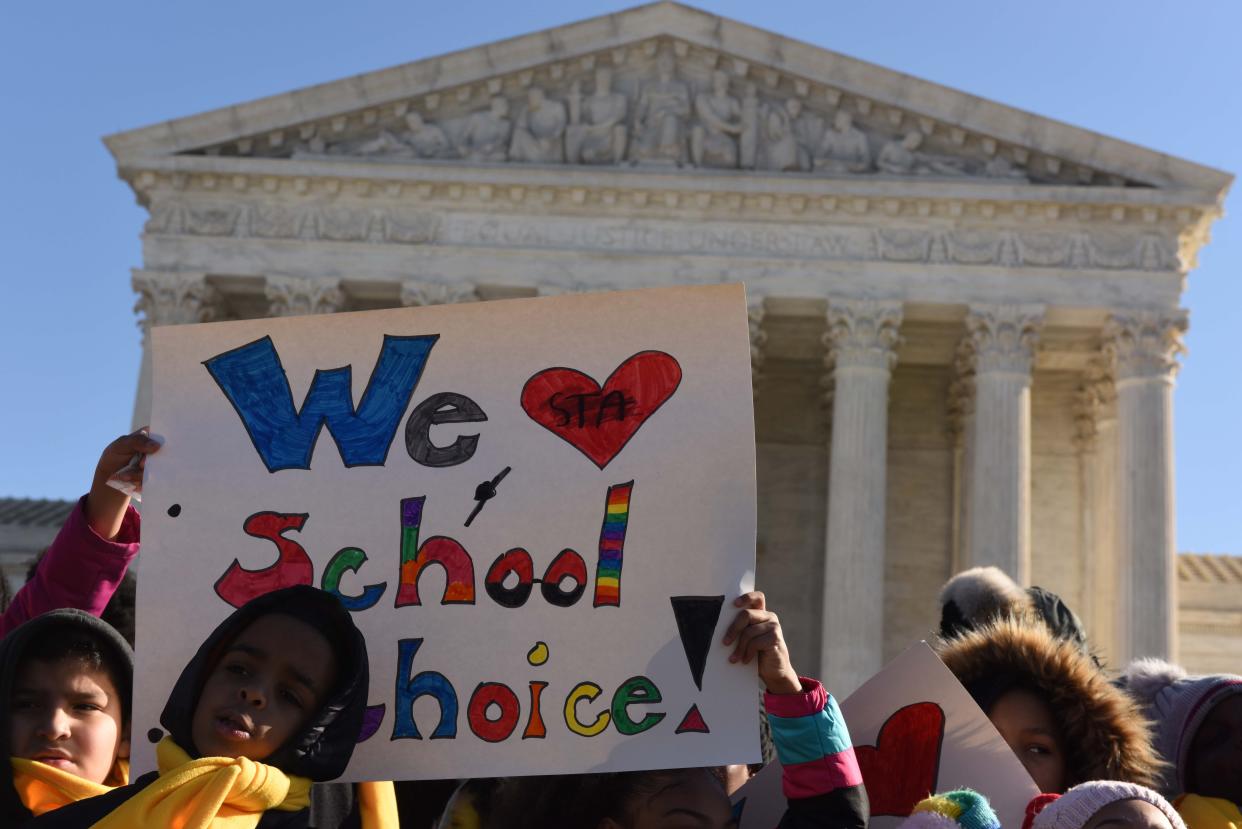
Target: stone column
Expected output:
[1094,438]
[295,296]
[755,312]
[1144,346]
[167,298]
[999,350]
[861,339]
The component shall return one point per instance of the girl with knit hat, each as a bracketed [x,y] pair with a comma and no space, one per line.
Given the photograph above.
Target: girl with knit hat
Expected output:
[1049,700]
[1100,803]
[1198,723]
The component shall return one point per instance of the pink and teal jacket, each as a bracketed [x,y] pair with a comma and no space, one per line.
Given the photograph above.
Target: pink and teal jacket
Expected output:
[823,786]
[81,569]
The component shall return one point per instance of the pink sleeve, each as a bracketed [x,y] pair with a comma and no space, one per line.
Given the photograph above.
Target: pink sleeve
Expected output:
[81,569]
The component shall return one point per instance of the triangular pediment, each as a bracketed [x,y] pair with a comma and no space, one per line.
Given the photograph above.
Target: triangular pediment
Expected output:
[667,86]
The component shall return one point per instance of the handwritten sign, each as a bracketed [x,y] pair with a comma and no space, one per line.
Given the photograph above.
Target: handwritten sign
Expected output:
[535,509]
[916,732]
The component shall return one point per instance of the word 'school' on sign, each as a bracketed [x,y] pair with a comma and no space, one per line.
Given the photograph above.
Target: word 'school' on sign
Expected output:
[537,511]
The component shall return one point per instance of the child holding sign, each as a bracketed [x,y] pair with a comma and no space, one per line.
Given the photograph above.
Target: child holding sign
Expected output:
[94,548]
[64,692]
[252,721]
[821,778]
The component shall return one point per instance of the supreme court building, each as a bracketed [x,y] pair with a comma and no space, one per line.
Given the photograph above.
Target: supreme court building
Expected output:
[965,319]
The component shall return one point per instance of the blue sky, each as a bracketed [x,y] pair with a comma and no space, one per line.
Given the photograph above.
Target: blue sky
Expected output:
[1163,76]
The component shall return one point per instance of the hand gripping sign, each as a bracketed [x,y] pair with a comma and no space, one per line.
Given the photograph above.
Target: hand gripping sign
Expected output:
[916,732]
[535,510]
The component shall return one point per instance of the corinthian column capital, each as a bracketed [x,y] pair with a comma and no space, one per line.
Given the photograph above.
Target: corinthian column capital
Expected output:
[863,333]
[1002,338]
[1093,400]
[294,296]
[1145,344]
[174,298]
[428,292]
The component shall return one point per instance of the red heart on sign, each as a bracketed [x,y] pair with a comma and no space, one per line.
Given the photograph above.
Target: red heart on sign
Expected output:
[902,767]
[599,420]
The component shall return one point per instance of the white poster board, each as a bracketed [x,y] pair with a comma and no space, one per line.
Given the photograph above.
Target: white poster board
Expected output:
[916,731]
[538,511]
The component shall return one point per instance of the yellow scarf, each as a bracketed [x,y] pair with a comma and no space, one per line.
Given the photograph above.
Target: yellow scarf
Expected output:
[43,788]
[1208,812]
[209,793]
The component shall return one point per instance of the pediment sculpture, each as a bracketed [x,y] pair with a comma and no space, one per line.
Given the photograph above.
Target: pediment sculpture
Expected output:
[665,114]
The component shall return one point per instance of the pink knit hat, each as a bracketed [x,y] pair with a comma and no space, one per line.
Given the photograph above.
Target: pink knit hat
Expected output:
[1076,807]
[1178,704]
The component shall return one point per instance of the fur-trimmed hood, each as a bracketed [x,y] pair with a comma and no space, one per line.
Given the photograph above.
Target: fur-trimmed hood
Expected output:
[1106,735]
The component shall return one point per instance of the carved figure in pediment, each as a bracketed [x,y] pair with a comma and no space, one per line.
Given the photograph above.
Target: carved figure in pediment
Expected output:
[1000,167]
[748,140]
[426,139]
[902,157]
[714,138]
[486,137]
[596,131]
[843,148]
[808,130]
[779,149]
[661,116]
[539,133]
[419,140]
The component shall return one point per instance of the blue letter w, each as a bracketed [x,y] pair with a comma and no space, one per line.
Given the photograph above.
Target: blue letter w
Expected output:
[255,383]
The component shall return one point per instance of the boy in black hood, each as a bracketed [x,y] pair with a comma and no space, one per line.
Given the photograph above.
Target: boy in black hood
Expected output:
[65,680]
[281,682]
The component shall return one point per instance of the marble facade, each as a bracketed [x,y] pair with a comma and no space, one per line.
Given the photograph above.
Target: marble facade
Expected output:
[965,319]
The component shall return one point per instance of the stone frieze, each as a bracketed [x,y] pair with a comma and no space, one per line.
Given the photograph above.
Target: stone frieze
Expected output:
[1036,248]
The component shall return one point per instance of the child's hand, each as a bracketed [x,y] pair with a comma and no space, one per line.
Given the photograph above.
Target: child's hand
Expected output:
[757,632]
[105,506]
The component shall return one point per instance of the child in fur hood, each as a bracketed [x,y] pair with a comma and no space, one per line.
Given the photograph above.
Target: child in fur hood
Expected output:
[1199,732]
[1023,657]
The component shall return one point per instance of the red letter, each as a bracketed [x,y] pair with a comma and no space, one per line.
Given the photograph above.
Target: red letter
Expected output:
[487,694]
[239,585]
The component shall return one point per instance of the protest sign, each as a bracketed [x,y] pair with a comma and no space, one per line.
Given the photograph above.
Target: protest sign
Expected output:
[916,732]
[537,510]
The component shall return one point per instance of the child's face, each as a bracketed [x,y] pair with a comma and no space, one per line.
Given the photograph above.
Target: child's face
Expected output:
[1026,722]
[69,716]
[1129,814]
[1215,761]
[691,799]
[271,679]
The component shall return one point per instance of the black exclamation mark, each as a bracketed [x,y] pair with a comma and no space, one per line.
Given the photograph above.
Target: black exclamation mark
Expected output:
[696,624]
